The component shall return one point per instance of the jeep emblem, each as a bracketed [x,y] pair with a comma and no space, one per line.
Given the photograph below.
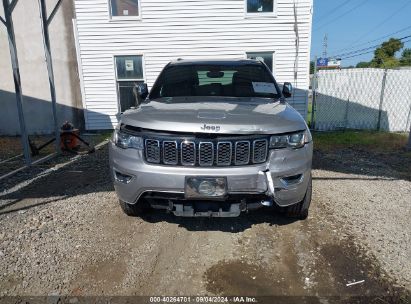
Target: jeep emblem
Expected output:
[210,128]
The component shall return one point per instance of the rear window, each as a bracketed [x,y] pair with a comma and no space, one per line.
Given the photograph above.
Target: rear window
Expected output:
[213,80]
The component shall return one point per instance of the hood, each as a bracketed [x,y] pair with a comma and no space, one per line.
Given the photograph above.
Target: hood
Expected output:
[215,115]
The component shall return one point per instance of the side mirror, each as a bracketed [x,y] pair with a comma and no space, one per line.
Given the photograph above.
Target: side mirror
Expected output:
[287,89]
[142,90]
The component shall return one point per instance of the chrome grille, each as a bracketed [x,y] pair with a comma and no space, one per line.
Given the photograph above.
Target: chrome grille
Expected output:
[242,152]
[153,151]
[206,154]
[170,152]
[225,151]
[188,153]
[260,149]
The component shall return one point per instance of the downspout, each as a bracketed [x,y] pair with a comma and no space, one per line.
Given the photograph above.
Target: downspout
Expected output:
[297,48]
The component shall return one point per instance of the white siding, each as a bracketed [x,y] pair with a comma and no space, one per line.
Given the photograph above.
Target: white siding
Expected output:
[189,29]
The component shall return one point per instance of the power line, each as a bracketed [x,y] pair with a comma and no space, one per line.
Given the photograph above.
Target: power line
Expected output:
[364,49]
[342,15]
[368,52]
[383,22]
[376,39]
[333,10]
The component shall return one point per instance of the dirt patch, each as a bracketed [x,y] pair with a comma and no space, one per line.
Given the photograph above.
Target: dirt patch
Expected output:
[336,265]
[240,277]
[102,277]
[360,161]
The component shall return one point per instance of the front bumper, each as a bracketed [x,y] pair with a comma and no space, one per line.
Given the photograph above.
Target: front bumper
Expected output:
[284,177]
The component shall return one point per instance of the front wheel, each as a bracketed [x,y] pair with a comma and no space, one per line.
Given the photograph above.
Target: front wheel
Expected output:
[300,210]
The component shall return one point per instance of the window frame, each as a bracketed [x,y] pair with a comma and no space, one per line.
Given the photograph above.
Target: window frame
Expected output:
[123,18]
[264,51]
[117,80]
[261,14]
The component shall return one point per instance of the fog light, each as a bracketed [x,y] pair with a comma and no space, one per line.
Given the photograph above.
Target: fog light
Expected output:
[122,178]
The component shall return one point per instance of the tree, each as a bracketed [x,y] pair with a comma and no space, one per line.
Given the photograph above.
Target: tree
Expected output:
[405,59]
[362,65]
[384,56]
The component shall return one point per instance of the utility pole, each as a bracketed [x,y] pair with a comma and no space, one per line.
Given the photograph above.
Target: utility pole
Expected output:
[409,141]
[314,93]
[325,46]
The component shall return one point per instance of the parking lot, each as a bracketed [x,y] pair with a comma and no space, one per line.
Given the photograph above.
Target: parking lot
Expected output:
[63,233]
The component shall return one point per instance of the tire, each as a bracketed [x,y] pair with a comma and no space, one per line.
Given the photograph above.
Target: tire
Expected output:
[300,210]
[133,210]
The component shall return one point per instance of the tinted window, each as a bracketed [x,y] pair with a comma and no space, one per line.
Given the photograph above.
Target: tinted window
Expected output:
[260,6]
[207,80]
[129,67]
[124,8]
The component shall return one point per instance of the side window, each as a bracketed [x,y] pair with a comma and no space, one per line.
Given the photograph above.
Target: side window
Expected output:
[124,8]
[266,57]
[129,73]
[260,6]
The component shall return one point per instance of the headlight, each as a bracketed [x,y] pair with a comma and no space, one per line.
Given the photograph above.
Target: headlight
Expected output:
[125,140]
[294,140]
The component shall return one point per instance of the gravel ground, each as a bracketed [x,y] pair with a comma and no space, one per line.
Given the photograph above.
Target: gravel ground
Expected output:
[65,234]
[377,210]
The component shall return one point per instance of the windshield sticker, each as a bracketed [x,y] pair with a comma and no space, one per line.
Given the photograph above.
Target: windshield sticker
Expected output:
[264,87]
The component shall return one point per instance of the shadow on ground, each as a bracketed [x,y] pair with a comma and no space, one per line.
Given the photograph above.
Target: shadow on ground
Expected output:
[89,174]
[232,225]
[355,160]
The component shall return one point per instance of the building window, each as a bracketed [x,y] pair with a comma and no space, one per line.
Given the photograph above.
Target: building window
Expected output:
[125,8]
[266,57]
[260,6]
[129,73]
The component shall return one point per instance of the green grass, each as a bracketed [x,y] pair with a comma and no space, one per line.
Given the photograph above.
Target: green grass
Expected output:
[375,141]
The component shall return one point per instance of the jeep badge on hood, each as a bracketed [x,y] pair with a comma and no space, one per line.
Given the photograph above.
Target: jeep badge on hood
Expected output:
[210,128]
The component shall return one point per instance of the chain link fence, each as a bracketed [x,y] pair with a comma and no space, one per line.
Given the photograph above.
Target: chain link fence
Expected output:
[364,99]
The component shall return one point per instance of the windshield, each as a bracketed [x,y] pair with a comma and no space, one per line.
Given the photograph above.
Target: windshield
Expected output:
[215,80]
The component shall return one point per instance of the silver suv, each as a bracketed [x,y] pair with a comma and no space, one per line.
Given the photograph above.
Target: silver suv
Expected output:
[213,138]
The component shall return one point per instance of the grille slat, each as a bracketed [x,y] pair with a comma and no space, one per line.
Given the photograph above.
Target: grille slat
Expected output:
[188,153]
[260,150]
[242,152]
[170,152]
[224,152]
[229,152]
[153,151]
[206,153]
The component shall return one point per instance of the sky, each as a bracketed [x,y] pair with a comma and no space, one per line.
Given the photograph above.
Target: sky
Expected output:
[354,24]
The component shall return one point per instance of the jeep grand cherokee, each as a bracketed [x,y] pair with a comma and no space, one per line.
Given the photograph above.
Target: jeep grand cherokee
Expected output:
[213,138]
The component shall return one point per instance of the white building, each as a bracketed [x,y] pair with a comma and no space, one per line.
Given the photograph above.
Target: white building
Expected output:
[120,42]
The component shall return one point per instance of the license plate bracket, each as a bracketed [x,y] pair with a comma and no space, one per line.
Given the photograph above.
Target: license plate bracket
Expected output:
[205,187]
